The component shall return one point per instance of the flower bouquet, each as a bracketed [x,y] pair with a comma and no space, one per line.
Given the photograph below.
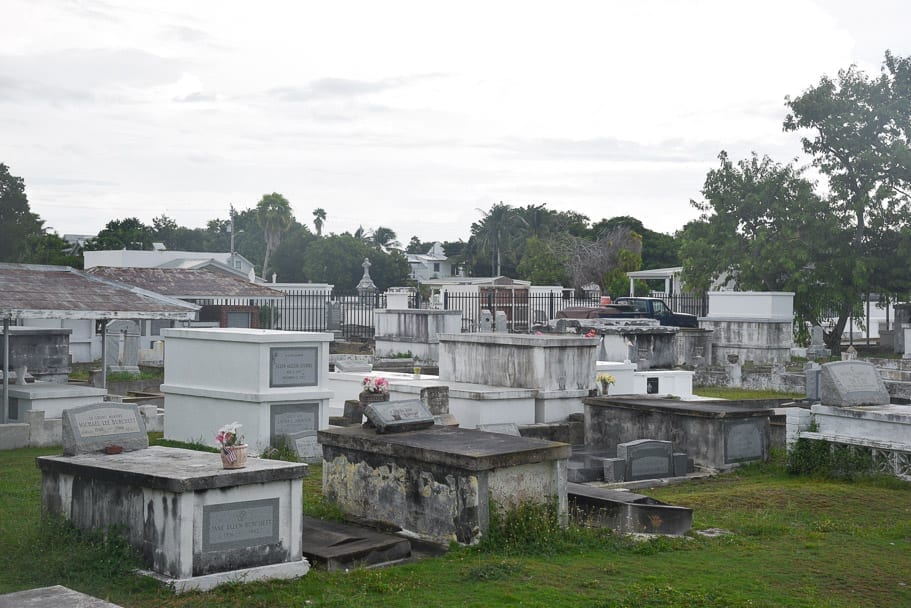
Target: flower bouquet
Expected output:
[233,448]
[374,389]
[605,380]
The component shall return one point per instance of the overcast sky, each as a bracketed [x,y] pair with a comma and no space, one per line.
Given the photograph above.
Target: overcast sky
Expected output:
[409,115]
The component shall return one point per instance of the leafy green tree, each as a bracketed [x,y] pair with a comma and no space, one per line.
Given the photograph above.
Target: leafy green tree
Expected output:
[544,263]
[338,259]
[288,262]
[178,238]
[17,222]
[50,248]
[858,130]
[319,220]
[273,213]
[129,233]
[658,250]
[497,233]
[763,226]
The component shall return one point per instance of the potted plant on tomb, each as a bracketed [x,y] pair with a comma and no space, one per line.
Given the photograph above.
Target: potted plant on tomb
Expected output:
[604,382]
[232,446]
[374,389]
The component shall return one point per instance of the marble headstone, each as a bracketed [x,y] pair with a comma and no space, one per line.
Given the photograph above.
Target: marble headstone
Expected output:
[92,428]
[851,383]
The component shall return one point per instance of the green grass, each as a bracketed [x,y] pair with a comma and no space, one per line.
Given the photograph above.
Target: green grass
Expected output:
[797,541]
[725,392]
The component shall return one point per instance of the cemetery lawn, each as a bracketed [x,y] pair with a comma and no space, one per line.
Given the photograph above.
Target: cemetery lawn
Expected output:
[796,541]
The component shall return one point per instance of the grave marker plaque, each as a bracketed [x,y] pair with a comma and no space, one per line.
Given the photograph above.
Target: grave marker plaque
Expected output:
[743,441]
[92,428]
[289,419]
[240,524]
[851,383]
[399,416]
[293,366]
[647,459]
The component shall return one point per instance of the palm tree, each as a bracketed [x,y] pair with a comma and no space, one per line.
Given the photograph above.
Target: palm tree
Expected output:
[319,218]
[385,238]
[496,230]
[273,212]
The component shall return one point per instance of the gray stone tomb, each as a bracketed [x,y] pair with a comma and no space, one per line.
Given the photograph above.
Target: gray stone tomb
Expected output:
[852,383]
[647,459]
[122,346]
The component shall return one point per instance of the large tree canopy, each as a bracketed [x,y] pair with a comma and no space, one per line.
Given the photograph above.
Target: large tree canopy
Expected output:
[18,225]
[764,228]
[858,130]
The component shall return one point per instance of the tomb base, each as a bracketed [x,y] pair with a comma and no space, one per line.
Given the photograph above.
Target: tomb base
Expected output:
[438,484]
[716,434]
[195,524]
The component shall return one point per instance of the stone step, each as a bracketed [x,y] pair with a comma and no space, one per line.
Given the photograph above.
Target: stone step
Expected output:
[341,546]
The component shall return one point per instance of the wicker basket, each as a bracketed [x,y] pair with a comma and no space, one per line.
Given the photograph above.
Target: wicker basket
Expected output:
[234,456]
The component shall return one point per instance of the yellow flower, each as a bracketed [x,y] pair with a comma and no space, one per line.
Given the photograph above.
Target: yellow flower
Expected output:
[606,379]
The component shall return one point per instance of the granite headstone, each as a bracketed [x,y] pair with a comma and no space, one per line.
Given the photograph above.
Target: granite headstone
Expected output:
[93,428]
[647,459]
[399,416]
[850,384]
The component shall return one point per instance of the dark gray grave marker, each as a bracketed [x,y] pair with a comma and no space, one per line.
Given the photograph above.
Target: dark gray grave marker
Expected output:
[92,428]
[399,416]
[743,441]
[651,386]
[236,525]
[647,459]
[851,383]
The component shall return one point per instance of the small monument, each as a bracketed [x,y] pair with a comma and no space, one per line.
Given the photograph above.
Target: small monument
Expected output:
[817,348]
[852,383]
[113,427]
[122,346]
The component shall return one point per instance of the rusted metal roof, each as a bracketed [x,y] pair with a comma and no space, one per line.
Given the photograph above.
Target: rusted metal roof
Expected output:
[29,291]
[187,284]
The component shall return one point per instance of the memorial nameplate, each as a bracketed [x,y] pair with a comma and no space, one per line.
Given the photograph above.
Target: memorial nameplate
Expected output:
[292,418]
[647,459]
[398,416]
[743,441]
[504,428]
[240,524]
[293,366]
[92,428]
[851,383]
[306,446]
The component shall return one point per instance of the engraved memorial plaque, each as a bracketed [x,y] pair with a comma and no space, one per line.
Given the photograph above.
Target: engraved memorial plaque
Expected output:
[91,428]
[742,441]
[240,524]
[293,366]
[647,458]
[851,383]
[293,418]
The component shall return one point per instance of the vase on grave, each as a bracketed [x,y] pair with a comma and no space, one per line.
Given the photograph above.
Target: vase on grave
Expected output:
[366,398]
[234,456]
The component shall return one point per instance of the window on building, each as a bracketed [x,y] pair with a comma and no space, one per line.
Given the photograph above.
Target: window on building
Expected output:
[436,266]
[238,319]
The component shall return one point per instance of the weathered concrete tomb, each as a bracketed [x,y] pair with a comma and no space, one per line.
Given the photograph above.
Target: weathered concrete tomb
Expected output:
[715,434]
[438,484]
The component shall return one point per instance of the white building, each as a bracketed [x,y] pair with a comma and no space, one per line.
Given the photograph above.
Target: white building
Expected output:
[431,265]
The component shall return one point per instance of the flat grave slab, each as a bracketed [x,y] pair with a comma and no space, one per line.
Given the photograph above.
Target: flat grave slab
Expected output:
[341,546]
[52,597]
